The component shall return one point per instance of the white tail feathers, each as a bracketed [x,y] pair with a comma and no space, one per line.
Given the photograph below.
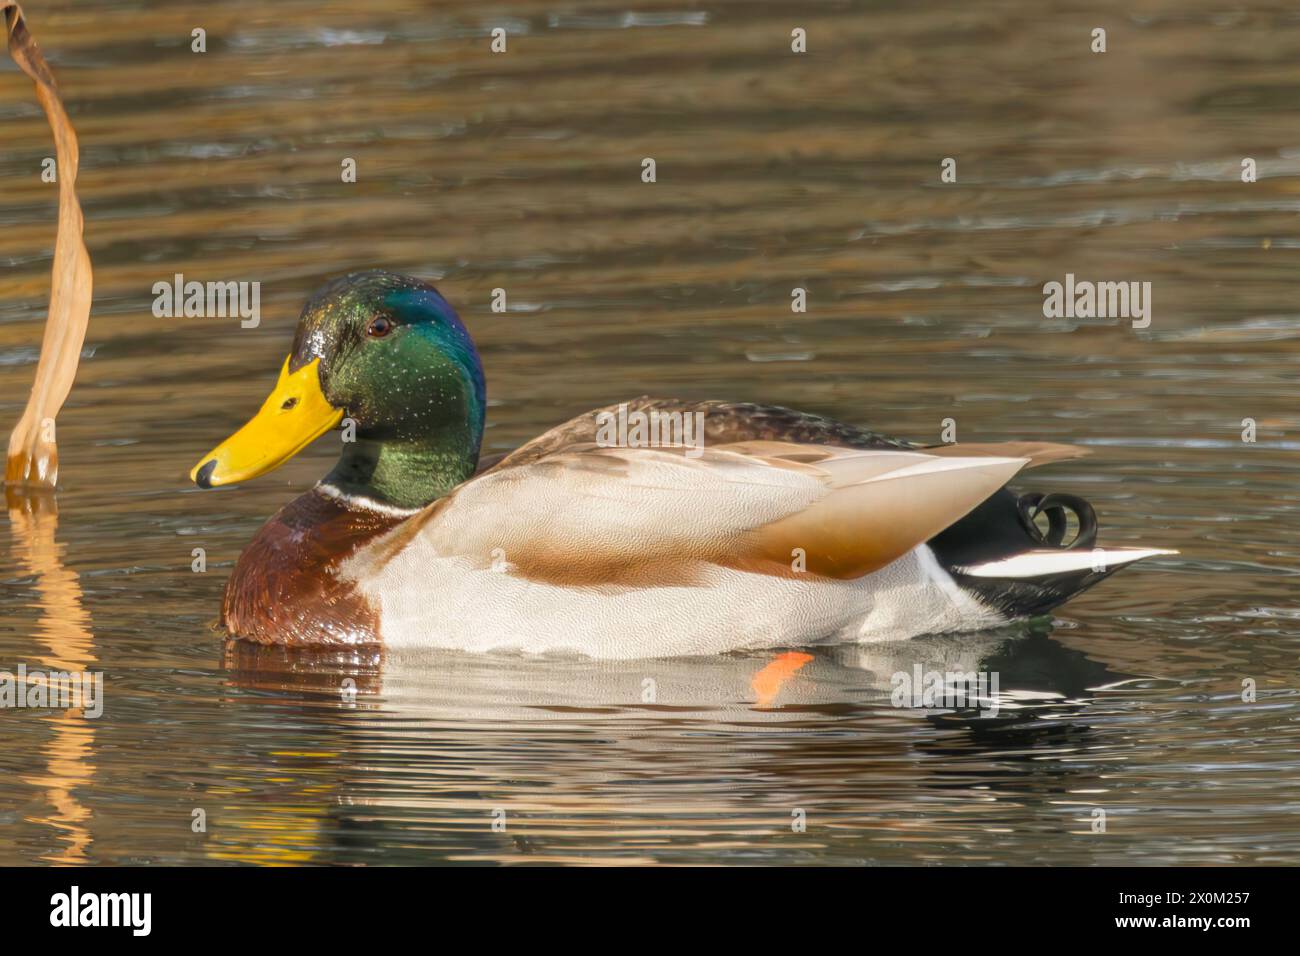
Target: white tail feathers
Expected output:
[1035,564]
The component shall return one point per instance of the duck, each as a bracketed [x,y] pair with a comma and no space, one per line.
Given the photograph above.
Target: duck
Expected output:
[744,527]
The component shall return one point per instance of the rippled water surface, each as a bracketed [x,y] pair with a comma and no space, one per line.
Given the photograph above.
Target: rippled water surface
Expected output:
[775,170]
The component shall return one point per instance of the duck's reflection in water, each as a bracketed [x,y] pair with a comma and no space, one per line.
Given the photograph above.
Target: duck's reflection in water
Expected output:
[425,748]
[63,632]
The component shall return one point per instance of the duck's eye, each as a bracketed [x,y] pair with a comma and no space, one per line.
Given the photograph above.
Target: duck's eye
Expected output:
[379,326]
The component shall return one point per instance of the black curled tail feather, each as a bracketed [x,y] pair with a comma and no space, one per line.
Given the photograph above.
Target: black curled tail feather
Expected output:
[1055,507]
[1002,527]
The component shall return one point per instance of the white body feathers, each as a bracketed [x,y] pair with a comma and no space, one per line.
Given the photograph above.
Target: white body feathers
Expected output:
[617,553]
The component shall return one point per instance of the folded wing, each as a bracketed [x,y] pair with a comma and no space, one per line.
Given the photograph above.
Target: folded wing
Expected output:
[593,516]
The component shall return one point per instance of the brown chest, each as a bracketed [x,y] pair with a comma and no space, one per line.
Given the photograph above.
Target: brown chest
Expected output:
[285,587]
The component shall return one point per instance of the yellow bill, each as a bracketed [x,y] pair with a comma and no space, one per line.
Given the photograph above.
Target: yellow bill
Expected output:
[295,415]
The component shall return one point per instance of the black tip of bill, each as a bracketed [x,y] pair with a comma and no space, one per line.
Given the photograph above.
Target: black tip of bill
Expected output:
[203,478]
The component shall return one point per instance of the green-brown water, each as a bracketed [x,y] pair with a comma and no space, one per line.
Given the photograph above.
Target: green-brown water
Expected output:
[522,171]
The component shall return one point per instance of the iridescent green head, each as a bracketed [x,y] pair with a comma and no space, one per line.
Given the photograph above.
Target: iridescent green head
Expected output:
[393,354]
[386,356]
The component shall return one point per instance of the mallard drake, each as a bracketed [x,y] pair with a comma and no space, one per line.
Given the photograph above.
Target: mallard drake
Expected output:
[772,528]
